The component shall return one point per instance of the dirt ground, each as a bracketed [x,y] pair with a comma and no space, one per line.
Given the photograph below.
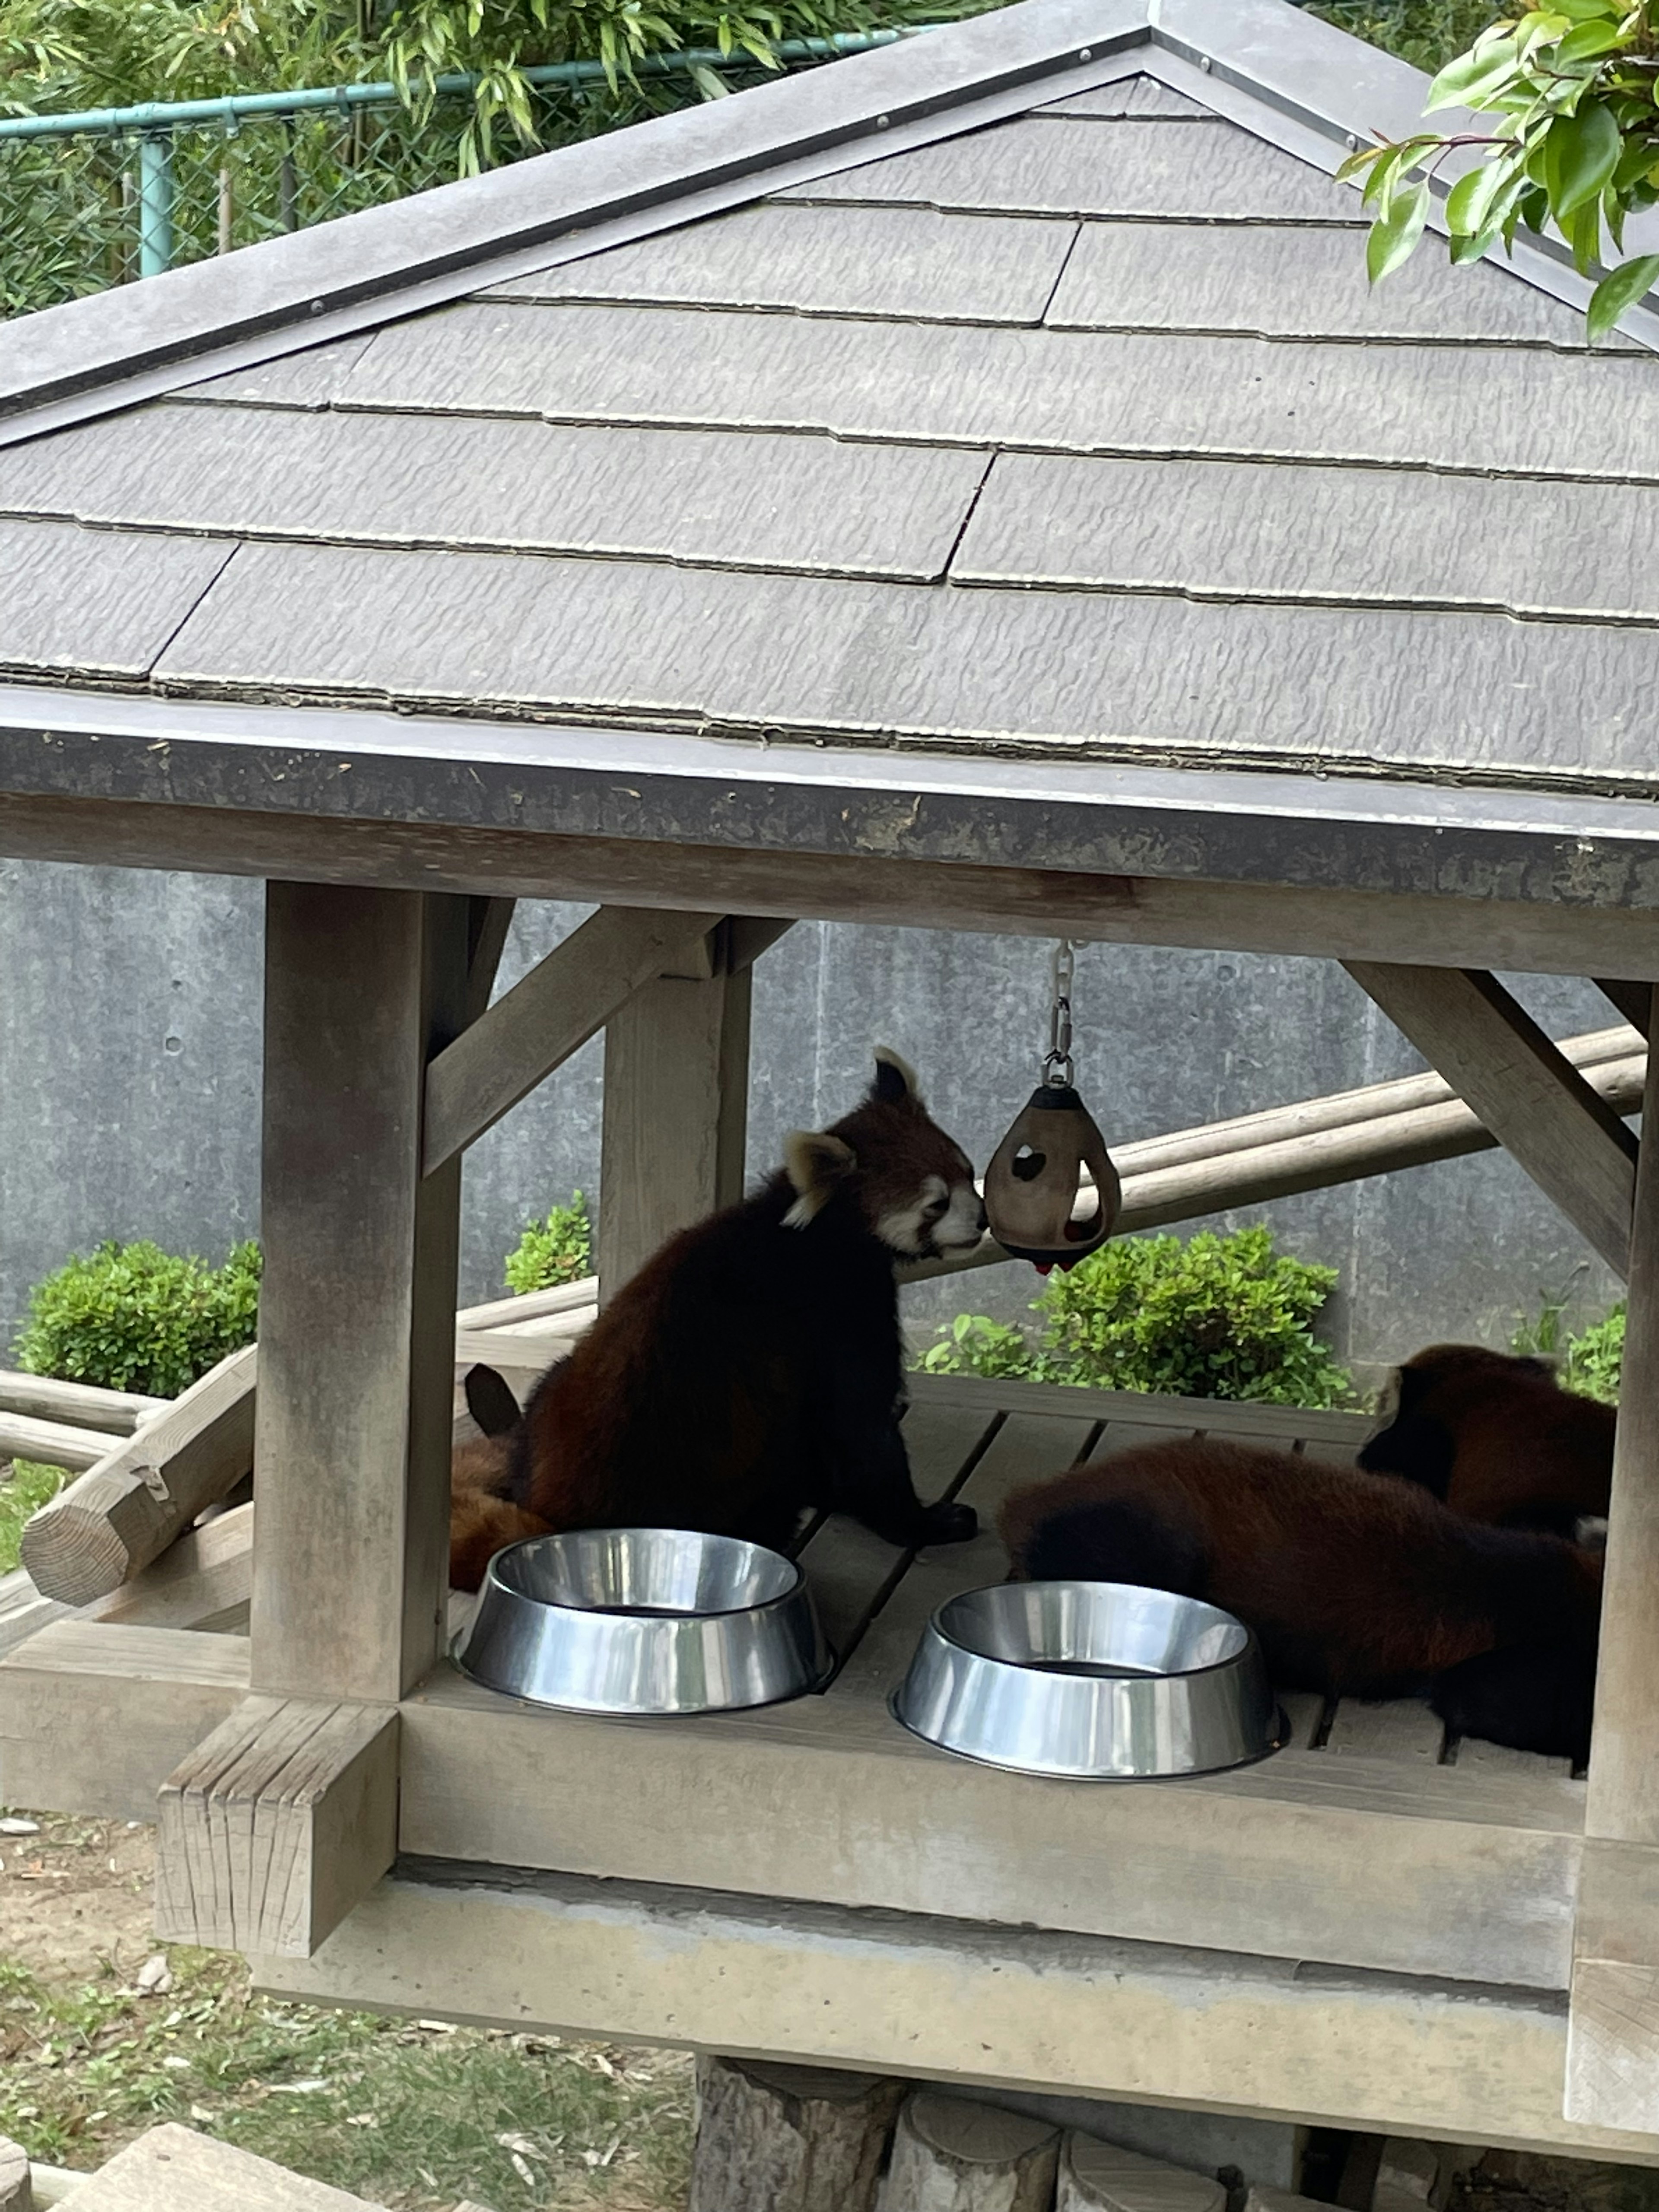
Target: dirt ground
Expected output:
[75,1895]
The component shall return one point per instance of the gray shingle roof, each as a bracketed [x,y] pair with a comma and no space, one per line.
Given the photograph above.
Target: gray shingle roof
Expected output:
[1067,429]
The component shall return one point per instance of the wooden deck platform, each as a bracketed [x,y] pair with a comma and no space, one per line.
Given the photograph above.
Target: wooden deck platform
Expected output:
[1370,1912]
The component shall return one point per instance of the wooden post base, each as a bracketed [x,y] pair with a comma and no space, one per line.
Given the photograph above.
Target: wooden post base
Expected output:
[789,2138]
[952,2156]
[1098,2177]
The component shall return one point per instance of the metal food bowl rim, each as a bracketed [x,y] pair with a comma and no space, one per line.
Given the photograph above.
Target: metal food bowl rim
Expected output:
[1060,1669]
[798,1580]
[1280,1740]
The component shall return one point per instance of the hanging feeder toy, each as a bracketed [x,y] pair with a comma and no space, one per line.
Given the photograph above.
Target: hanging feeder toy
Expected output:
[1037,1172]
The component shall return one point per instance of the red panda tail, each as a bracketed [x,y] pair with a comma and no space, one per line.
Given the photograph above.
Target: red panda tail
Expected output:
[479,1526]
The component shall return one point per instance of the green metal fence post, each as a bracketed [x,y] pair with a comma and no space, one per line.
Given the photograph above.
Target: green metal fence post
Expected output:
[154,202]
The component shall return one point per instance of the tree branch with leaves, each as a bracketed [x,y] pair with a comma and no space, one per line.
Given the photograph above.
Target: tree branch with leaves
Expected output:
[1573,87]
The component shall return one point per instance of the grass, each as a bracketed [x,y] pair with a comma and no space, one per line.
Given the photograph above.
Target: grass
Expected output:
[409,2114]
[28,1487]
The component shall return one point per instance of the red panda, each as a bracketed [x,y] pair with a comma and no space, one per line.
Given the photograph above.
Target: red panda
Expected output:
[753,1367]
[1355,1584]
[1497,1438]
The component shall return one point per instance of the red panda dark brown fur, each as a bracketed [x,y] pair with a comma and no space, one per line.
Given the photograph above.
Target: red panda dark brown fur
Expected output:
[1497,1438]
[753,1367]
[1354,1583]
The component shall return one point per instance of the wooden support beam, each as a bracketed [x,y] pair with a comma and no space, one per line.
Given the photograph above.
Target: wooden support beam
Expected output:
[92,1718]
[548,1014]
[1633,1001]
[1530,1097]
[357,1304]
[204,1582]
[145,1493]
[46,1398]
[1612,2044]
[789,2138]
[675,1114]
[277,1825]
[950,2155]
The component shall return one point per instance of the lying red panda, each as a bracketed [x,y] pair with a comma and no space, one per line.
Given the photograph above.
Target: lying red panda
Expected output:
[1497,1438]
[1355,1584]
[753,1367]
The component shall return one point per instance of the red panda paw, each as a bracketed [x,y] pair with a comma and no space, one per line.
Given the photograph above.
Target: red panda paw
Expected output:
[945,1524]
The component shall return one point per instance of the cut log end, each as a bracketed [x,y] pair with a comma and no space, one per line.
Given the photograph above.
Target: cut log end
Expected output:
[75,1554]
[789,2138]
[950,2155]
[1099,2177]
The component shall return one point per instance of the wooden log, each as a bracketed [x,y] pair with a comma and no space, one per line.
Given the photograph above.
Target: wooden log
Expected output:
[1099,2177]
[531,1305]
[47,1398]
[16,2193]
[357,1304]
[789,2138]
[548,1014]
[173,2169]
[536,1345]
[675,1114]
[204,1582]
[950,2155]
[1351,1152]
[53,1443]
[126,1510]
[276,1825]
[1535,1102]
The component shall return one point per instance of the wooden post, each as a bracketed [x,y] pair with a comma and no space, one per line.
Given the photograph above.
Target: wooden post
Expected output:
[357,1308]
[676,1112]
[1099,2177]
[1613,2041]
[789,2138]
[952,2156]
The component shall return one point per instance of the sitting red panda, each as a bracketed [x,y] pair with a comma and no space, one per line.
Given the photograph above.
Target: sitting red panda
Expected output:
[1497,1438]
[754,1366]
[1355,1584]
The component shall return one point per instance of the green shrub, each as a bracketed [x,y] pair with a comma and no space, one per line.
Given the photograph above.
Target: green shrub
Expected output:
[1214,1317]
[558,1250]
[1596,1357]
[133,1317]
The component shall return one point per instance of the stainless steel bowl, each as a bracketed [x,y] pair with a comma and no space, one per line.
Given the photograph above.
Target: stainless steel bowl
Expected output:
[643,1620]
[1088,1680]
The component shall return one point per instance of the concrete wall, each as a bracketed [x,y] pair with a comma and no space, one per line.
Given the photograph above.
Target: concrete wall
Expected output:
[129,1045]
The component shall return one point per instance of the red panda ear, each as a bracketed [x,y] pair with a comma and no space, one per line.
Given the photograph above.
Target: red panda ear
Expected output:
[896,1081]
[815,1162]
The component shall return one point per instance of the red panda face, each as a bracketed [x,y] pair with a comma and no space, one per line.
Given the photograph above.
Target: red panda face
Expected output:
[912,1185]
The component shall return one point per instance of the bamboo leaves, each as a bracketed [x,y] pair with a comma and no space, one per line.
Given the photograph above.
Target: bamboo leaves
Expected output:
[1571,90]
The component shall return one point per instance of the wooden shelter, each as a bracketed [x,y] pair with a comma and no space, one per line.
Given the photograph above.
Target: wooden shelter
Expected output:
[970,487]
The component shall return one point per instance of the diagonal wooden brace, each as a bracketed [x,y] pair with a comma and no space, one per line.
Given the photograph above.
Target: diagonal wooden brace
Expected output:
[1528,1094]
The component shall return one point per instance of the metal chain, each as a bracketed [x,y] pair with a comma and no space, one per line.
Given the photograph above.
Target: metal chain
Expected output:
[1057,1060]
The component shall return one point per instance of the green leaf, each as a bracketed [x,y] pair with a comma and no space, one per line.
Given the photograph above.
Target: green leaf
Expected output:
[1392,240]
[1586,42]
[1622,289]
[1580,153]
[1469,202]
[1583,232]
[1466,81]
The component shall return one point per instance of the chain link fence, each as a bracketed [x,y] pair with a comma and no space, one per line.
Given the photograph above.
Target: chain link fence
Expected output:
[93,200]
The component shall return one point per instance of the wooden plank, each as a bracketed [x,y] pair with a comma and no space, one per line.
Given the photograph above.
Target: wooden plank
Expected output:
[93,1718]
[204,1582]
[530,1305]
[489,921]
[144,1493]
[1042,164]
[276,1825]
[54,1444]
[1077,391]
[1503,1758]
[1397,1728]
[892,261]
[1613,2059]
[990,667]
[1099,2177]
[368,479]
[919,1998]
[23,1612]
[171,2168]
[1196,526]
[675,1114]
[46,1398]
[1278,1425]
[548,1014]
[353,1444]
[1540,1109]
[535,1346]
[1283,283]
[102,602]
